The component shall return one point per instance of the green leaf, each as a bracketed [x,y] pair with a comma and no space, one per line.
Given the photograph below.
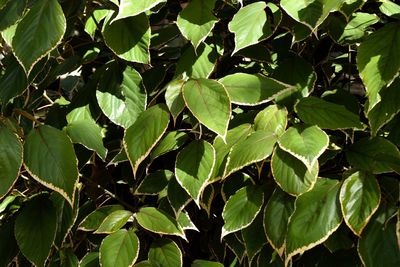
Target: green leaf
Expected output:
[155,182]
[193,168]
[196,21]
[350,6]
[38,33]
[11,13]
[311,13]
[376,155]
[359,198]
[82,129]
[306,143]
[174,98]
[131,8]
[378,60]
[47,144]
[8,245]
[185,222]
[273,118]
[390,9]
[209,102]
[119,249]
[291,174]
[177,196]
[251,90]
[129,38]
[157,221]
[254,237]
[114,221]
[250,25]
[165,252]
[96,17]
[256,147]
[91,259]
[10,159]
[172,141]
[235,244]
[122,98]
[317,213]
[204,263]
[241,209]
[279,208]
[95,218]
[326,115]
[143,135]
[13,82]
[37,221]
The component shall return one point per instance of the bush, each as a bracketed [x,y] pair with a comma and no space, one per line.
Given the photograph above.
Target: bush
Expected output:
[202,133]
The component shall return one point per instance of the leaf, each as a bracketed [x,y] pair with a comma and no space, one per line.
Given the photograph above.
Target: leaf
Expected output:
[209,102]
[291,174]
[155,182]
[378,60]
[250,25]
[11,13]
[131,8]
[277,212]
[39,32]
[196,21]
[311,13]
[376,155]
[119,249]
[157,221]
[114,221]
[172,141]
[241,209]
[185,222]
[95,218]
[10,159]
[13,82]
[251,90]
[306,143]
[326,115]
[177,196]
[8,245]
[96,17]
[359,198]
[143,135]
[129,38]
[165,252]
[121,98]
[235,244]
[37,221]
[254,148]
[273,119]
[193,168]
[174,98]
[82,129]
[91,259]
[46,145]
[204,263]
[254,237]
[390,9]
[316,213]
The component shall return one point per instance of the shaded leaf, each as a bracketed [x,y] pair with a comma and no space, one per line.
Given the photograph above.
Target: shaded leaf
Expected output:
[165,252]
[114,221]
[172,141]
[155,182]
[95,218]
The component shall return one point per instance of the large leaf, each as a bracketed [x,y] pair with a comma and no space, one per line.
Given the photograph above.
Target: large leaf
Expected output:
[291,174]
[209,102]
[11,13]
[165,252]
[39,32]
[50,159]
[376,155]
[129,38]
[306,143]
[254,148]
[119,249]
[95,218]
[131,8]
[250,89]
[359,198]
[327,115]
[113,222]
[317,213]
[241,209]
[157,221]
[193,168]
[197,20]
[273,118]
[121,98]
[378,60]
[10,159]
[37,221]
[144,134]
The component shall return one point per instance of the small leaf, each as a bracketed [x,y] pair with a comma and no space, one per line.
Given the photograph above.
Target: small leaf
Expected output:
[209,102]
[196,20]
[172,141]
[251,90]
[165,252]
[193,168]
[37,221]
[273,118]
[143,135]
[359,198]
[174,98]
[95,218]
[114,221]
[119,249]
[131,8]
[241,209]
[154,183]
[185,222]
[46,145]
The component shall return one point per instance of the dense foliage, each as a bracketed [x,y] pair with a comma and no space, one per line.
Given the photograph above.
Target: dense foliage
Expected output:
[199,133]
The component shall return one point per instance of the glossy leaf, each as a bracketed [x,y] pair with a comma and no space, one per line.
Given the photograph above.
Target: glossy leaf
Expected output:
[172,141]
[165,252]
[131,8]
[174,98]
[46,145]
[114,221]
[119,249]
[273,118]
[143,135]
[91,259]
[155,182]
[95,218]
[11,13]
